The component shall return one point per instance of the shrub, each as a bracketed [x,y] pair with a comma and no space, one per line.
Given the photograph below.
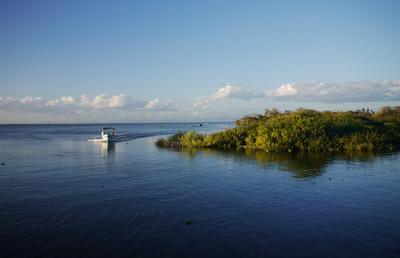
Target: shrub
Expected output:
[302,130]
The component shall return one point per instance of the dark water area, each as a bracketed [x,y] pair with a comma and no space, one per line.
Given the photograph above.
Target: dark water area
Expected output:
[63,196]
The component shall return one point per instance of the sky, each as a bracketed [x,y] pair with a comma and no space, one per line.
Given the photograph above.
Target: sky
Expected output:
[170,61]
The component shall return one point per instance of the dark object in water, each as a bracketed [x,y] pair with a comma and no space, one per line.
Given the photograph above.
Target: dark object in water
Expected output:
[200,124]
[3,163]
[189,222]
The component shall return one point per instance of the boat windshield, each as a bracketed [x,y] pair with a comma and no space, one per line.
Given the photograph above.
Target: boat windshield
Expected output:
[109,130]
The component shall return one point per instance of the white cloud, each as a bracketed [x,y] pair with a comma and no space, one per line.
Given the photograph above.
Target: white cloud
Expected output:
[111,102]
[232,91]
[326,92]
[84,101]
[28,102]
[64,100]
[285,90]
[67,100]
[158,105]
[31,100]
[83,104]
[228,91]
[104,101]
[201,103]
[394,89]
[5,102]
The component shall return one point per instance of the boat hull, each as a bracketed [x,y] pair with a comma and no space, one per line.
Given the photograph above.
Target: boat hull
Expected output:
[107,138]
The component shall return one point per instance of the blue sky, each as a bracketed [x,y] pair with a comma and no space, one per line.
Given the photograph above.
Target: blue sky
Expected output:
[144,61]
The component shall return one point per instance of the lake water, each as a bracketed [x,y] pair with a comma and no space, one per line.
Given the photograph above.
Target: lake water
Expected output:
[62,196]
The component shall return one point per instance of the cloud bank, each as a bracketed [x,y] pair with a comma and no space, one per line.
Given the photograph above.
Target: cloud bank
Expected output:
[323,92]
[326,92]
[87,103]
[229,99]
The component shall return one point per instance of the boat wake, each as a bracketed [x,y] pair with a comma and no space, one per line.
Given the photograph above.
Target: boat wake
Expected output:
[131,136]
[96,140]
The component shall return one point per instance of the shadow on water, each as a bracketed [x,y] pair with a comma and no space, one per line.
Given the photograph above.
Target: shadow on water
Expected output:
[108,147]
[301,165]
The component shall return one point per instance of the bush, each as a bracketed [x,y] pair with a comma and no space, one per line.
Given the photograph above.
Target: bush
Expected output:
[302,130]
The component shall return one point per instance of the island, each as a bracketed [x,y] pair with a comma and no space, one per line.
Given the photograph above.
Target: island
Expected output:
[301,130]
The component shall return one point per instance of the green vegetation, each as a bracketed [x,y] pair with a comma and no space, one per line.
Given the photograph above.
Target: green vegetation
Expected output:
[302,130]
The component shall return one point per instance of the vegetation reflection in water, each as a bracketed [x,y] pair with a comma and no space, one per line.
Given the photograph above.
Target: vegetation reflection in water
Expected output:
[304,165]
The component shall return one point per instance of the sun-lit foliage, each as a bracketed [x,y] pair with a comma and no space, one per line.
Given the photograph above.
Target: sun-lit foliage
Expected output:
[302,130]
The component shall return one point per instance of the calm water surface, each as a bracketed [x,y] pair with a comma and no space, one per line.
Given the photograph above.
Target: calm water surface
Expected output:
[62,196]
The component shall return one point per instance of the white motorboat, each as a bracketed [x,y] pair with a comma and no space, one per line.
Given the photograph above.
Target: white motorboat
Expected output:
[108,134]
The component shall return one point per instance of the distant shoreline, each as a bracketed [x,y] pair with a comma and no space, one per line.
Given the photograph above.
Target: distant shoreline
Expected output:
[122,123]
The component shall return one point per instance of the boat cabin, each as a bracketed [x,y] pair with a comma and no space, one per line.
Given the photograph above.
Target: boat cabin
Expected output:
[108,133]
